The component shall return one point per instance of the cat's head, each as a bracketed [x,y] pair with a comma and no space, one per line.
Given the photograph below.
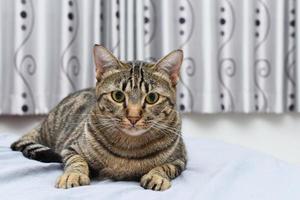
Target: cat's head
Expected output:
[135,97]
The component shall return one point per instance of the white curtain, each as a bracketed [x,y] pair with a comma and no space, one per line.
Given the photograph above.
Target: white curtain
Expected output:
[240,55]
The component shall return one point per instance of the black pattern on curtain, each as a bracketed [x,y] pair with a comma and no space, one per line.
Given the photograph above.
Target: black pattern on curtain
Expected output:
[240,56]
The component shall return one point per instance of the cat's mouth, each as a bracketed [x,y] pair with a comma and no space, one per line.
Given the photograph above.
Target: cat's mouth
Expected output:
[134,131]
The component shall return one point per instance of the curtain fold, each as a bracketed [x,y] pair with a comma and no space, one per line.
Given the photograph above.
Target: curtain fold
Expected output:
[240,56]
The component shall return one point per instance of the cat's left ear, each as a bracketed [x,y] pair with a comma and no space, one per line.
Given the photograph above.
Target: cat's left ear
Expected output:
[171,64]
[104,61]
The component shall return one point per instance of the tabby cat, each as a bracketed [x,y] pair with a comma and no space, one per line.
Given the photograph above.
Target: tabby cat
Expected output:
[126,128]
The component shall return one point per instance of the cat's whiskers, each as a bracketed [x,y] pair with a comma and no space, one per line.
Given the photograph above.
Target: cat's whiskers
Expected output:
[98,121]
[165,129]
[106,127]
[163,125]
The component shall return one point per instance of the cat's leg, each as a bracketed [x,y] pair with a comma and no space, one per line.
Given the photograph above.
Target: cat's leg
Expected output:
[76,171]
[159,178]
[30,146]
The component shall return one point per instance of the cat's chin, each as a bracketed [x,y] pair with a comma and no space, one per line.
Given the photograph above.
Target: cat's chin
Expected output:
[134,132]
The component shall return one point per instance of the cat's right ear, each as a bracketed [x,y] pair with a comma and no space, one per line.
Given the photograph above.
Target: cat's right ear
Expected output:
[104,60]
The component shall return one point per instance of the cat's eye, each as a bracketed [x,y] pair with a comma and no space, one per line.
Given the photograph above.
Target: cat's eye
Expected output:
[118,96]
[152,98]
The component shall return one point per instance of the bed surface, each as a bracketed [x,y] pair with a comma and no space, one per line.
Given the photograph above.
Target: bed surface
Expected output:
[215,171]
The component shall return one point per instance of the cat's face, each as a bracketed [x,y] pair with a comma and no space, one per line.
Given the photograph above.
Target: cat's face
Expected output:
[136,97]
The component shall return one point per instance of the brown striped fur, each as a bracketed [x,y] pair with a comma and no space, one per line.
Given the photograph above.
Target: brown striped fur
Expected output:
[91,133]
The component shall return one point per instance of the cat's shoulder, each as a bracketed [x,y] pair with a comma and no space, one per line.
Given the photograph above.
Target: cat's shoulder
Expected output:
[84,96]
[84,93]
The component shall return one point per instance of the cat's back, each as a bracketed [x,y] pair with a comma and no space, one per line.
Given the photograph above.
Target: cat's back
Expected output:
[79,101]
[68,115]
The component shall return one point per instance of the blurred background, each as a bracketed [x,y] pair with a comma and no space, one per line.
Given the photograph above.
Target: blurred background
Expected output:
[238,80]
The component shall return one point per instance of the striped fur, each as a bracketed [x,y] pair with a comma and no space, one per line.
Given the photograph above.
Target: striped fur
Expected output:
[91,133]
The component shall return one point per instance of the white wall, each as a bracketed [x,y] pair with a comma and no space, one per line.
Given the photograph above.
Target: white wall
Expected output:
[277,135]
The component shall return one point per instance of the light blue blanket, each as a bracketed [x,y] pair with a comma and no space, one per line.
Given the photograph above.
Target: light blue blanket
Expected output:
[216,171]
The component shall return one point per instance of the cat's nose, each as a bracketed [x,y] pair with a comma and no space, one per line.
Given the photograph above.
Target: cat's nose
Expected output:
[133,113]
[133,119]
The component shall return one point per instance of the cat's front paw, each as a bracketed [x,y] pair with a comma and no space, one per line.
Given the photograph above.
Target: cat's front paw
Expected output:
[72,179]
[155,182]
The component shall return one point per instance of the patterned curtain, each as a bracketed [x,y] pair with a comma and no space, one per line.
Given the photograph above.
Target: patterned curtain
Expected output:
[240,56]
